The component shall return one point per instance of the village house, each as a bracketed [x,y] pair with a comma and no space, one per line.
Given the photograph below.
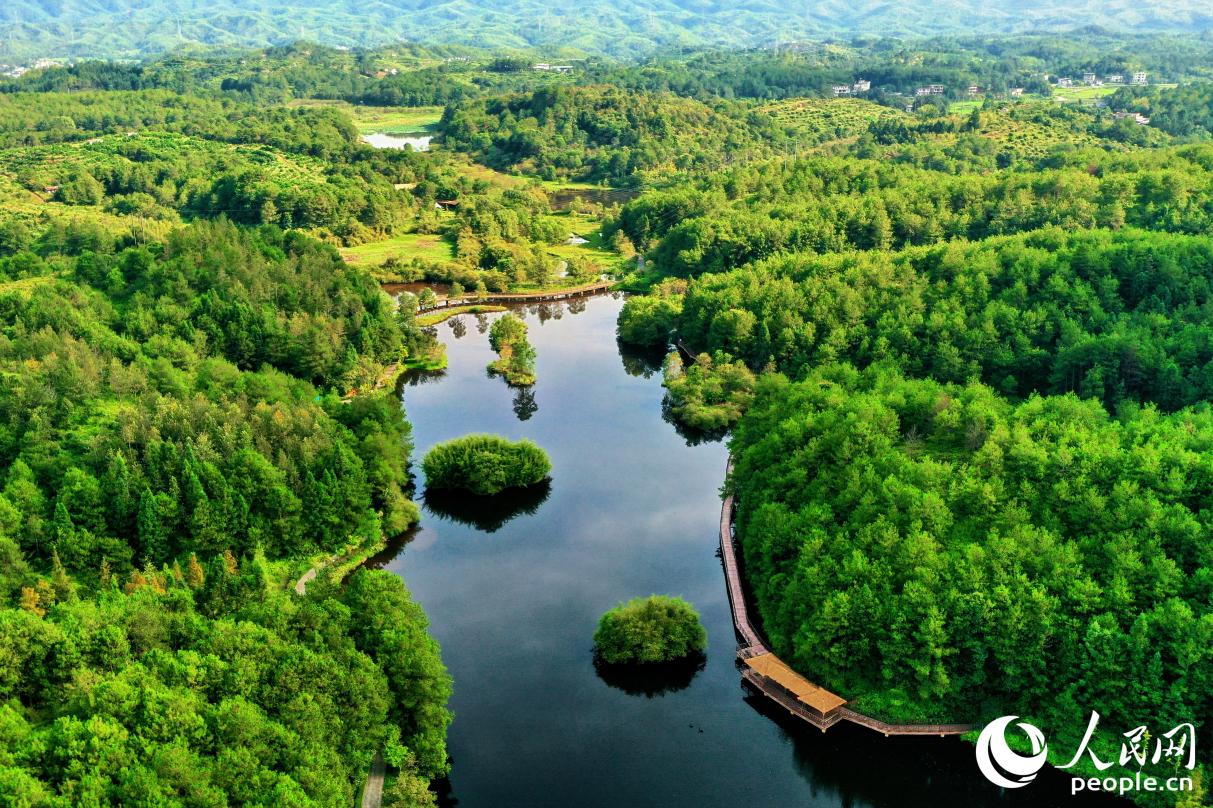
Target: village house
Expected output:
[1017,92]
[1089,79]
[1136,117]
[1139,78]
[553,68]
[862,86]
[974,89]
[841,89]
[1065,82]
[1114,78]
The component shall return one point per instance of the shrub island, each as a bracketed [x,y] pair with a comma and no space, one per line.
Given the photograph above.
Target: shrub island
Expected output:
[485,464]
[655,629]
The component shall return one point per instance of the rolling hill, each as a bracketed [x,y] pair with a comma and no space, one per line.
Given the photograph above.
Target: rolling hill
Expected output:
[31,29]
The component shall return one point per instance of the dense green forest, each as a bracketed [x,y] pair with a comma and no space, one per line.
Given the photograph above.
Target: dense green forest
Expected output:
[174,452]
[825,205]
[961,341]
[1185,111]
[1113,316]
[166,458]
[948,553]
[601,134]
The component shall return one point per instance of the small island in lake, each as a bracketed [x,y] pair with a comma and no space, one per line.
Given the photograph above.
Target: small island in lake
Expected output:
[658,628]
[516,360]
[485,464]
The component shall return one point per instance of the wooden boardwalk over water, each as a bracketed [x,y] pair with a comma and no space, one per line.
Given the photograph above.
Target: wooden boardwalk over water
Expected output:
[772,677]
[521,297]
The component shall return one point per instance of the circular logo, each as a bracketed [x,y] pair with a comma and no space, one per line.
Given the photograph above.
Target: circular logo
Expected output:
[1000,764]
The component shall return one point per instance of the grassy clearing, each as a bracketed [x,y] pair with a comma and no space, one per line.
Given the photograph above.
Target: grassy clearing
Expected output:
[1031,139]
[964,107]
[408,245]
[1067,95]
[385,120]
[434,360]
[436,317]
[492,176]
[396,120]
[594,250]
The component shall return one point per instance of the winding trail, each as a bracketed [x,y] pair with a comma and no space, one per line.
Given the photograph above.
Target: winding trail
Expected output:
[372,789]
[309,576]
[768,674]
[372,792]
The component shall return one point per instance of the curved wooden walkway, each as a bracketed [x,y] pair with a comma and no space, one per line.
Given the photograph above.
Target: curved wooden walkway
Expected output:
[520,297]
[776,680]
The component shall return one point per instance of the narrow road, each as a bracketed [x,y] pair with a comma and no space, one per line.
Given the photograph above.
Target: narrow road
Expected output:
[372,792]
[310,575]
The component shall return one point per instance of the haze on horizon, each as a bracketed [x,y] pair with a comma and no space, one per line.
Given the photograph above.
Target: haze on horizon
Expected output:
[32,29]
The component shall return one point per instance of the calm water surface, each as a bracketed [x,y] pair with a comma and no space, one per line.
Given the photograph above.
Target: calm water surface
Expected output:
[383,140]
[514,590]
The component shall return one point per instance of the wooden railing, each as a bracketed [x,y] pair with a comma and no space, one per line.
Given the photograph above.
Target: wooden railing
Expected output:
[902,729]
[751,642]
[520,297]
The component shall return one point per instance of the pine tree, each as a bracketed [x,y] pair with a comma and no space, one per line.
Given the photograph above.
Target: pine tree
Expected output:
[136,582]
[46,592]
[152,539]
[120,500]
[65,588]
[155,579]
[194,576]
[31,602]
[62,527]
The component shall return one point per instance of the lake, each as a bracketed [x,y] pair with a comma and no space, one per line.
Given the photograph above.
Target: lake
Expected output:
[563,198]
[382,140]
[514,589]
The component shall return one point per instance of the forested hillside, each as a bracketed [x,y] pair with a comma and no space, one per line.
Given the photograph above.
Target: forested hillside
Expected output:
[604,134]
[1116,317]
[620,29]
[948,553]
[961,339]
[174,453]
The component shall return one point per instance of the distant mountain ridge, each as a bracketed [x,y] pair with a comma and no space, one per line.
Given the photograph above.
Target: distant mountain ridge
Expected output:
[31,29]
